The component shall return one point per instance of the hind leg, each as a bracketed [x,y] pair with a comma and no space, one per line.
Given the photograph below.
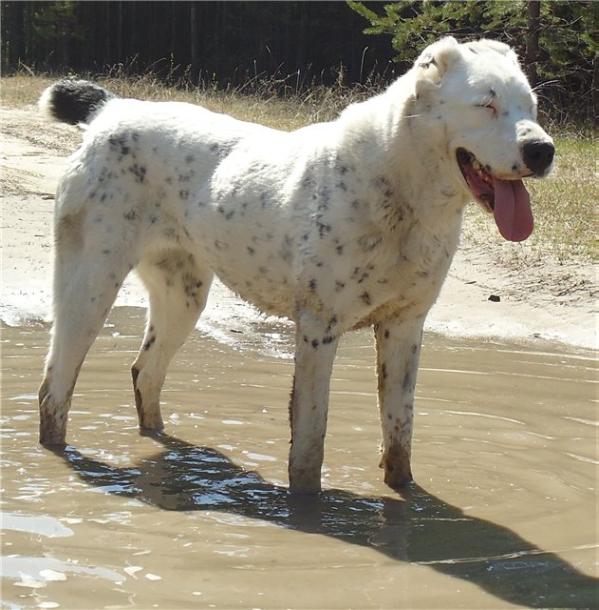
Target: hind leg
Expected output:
[178,287]
[87,276]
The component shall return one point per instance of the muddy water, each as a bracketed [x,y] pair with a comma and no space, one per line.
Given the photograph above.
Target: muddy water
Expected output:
[504,513]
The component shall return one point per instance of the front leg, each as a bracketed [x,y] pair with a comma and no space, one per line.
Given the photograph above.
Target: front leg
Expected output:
[397,352]
[314,354]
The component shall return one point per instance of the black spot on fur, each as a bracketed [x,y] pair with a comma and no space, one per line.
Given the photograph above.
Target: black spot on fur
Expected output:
[149,343]
[118,143]
[312,285]
[365,296]
[387,333]
[139,171]
[130,215]
[315,343]
[323,229]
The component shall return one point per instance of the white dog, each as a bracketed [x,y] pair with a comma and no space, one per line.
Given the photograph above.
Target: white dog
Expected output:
[336,226]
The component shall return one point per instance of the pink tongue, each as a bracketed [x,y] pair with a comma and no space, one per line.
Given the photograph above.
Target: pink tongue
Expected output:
[512,209]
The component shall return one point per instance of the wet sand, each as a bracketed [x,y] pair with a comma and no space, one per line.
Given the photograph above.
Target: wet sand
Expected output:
[503,513]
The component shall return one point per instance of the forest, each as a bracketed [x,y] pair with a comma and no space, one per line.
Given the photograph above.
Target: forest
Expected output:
[300,44]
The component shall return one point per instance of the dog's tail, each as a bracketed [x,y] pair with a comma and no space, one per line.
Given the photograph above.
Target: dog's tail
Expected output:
[73,101]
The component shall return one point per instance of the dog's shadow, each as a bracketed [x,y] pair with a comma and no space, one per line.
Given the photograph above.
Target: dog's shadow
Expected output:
[418,528]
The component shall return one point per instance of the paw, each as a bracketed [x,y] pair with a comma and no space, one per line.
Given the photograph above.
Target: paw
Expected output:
[151,426]
[398,472]
[304,481]
[398,479]
[53,424]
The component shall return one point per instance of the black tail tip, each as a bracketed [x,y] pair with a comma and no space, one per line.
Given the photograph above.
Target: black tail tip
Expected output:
[73,101]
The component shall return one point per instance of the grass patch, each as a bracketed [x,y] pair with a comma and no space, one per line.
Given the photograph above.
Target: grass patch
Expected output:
[563,204]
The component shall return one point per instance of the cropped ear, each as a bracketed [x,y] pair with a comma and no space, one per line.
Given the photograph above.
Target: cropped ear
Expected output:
[435,61]
[486,44]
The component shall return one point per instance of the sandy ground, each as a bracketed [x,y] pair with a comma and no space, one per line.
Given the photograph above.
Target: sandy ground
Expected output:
[547,301]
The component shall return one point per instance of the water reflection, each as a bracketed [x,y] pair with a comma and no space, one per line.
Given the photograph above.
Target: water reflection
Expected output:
[417,528]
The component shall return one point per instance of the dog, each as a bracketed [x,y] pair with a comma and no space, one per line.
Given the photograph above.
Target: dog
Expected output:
[336,226]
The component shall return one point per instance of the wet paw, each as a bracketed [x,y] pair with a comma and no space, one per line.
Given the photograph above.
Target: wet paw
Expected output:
[53,423]
[398,473]
[302,481]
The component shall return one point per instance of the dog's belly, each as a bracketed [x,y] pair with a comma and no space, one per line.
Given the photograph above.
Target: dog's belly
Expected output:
[258,275]
[269,295]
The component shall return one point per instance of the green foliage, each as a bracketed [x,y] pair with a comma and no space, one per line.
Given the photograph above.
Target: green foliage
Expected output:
[54,20]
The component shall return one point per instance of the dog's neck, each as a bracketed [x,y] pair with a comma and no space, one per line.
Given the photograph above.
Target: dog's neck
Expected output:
[398,126]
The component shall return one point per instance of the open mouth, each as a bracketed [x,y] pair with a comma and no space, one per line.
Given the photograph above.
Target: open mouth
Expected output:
[508,200]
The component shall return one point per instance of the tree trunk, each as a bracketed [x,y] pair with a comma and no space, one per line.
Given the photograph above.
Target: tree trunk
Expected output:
[532,40]
[119,32]
[193,34]
[595,87]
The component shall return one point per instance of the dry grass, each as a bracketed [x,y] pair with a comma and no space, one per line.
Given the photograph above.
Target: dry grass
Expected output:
[564,204]
[261,105]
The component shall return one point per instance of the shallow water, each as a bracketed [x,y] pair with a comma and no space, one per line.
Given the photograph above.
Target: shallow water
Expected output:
[504,513]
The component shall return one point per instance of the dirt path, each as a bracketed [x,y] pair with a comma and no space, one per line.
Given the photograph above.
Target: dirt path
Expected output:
[543,300]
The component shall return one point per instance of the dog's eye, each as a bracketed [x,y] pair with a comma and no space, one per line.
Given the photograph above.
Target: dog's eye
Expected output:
[490,106]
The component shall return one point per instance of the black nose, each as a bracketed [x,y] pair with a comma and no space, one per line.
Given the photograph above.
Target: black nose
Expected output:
[537,156]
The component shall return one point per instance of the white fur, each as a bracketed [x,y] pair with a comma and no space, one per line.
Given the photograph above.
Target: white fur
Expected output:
[337,225]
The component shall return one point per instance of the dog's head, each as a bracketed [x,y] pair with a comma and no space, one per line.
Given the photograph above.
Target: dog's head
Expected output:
[481,97]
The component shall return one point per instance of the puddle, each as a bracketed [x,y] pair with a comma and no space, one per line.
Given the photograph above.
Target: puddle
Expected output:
[504,513]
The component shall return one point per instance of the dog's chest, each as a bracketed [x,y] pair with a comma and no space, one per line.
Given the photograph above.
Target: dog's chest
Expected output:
[402,280]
